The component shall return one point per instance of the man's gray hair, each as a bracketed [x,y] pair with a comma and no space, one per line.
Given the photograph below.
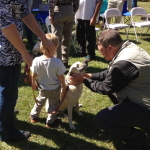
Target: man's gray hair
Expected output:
[109,37]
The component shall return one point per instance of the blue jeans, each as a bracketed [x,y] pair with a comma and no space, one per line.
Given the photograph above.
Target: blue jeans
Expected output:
[9,79]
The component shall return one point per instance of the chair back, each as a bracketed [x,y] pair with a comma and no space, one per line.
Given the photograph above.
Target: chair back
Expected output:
[112,12]
[138,11]
[47,21]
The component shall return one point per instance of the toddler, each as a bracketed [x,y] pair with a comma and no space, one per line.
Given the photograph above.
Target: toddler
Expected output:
[47,75]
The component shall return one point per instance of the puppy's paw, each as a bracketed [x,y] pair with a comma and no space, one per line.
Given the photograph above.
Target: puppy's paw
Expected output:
[72,126]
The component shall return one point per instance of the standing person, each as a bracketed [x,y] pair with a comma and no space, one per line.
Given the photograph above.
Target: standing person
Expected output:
[61,18]
[127,83]
[48,77]
[85,30]
[12,53]
[116,4]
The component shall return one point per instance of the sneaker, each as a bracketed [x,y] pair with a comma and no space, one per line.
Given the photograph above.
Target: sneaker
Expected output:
[16,112]
[89,58]
[33,119]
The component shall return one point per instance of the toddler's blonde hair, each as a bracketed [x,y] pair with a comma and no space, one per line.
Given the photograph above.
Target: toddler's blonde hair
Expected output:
[51,37]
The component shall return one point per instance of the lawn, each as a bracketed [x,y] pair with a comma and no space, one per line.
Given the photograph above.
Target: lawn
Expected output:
[87,135]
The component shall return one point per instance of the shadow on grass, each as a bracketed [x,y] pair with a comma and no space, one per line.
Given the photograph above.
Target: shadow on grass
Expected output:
[86,126]
[63,140]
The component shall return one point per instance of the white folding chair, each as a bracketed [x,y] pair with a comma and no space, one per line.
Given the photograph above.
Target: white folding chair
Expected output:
[48,24]
[139,11]
[113,13]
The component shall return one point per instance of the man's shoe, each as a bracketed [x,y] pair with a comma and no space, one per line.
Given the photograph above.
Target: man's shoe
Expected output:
[33,119]
[16,112]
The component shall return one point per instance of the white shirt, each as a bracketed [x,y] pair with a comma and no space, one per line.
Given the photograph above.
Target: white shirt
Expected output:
[86,9]
[47,70]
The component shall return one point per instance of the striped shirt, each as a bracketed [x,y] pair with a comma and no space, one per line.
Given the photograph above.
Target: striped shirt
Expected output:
[53,3]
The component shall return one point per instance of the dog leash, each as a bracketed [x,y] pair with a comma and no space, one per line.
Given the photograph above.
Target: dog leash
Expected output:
[27,79]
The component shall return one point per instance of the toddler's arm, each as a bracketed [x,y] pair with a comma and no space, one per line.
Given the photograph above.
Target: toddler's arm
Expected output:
[62,81]
[34,83]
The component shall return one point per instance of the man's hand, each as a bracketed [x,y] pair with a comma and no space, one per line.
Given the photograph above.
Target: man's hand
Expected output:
[49,46]
[92,22]
[75,79]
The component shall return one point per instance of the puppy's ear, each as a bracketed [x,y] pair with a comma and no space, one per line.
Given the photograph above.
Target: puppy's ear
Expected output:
[71,71]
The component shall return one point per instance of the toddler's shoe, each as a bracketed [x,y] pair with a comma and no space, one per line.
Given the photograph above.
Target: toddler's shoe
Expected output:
[33,119]
[48,125]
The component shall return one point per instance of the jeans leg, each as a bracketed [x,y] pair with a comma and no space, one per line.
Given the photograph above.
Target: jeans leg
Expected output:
[120,121]
[9,78]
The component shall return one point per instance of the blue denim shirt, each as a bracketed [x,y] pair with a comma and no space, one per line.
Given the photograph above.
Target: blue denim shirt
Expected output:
[11,11]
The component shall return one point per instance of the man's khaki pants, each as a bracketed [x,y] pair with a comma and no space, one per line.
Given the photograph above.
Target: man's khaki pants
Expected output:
[115,4]
[62,27]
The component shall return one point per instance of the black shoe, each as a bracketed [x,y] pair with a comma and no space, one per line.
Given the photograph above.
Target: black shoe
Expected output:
[16,112]
[33,119]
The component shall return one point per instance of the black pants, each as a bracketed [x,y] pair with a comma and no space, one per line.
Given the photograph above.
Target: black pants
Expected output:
[86,34]
[120,121]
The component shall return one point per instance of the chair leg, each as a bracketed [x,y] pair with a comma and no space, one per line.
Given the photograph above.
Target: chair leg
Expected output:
[147,30]
[136,34]
[141,31]
[126,33]
[128,30]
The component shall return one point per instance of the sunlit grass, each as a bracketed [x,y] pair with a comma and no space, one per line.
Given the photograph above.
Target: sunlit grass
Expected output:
[87,135]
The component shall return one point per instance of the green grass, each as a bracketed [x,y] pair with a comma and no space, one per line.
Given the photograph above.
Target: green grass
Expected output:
[87,135]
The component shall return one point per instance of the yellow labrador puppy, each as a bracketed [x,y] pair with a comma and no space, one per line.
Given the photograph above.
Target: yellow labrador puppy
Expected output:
[73,94]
